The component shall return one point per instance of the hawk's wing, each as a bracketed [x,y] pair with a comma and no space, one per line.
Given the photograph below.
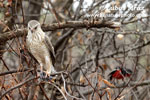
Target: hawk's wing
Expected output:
[50,47]
[29,52]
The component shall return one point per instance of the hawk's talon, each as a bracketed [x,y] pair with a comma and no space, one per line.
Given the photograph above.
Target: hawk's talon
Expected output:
[46,77]
[42,75]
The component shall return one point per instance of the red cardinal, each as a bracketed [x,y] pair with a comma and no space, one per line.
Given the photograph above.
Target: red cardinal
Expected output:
[120,73]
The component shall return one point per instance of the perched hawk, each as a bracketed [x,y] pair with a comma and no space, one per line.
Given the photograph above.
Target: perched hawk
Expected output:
[39,45]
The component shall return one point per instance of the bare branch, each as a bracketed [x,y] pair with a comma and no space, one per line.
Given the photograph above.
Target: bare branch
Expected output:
[17,86]
[15,71]
[70,24]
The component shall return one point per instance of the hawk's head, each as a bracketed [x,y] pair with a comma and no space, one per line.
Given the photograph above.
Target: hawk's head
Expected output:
[34,26]
[34,31]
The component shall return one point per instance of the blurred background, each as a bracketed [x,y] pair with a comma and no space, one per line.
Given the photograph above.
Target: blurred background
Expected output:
[86,54]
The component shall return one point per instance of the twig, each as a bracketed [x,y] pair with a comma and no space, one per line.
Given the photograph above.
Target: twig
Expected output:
[76,15]
[15,71]
[66,90]
[44,92]
[70,24]
[120,86]
[22,12]
[132,21]
[115,53]
[59,90]
[56,15]
[17,86]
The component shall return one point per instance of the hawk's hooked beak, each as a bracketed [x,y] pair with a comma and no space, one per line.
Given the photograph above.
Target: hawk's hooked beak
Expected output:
[32,30]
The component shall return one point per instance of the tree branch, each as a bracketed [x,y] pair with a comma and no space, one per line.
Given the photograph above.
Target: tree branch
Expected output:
[17,86]
[51,27]
[15,71]
[132,84]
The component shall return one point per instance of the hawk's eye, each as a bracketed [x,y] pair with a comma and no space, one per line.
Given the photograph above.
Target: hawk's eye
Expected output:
[35,28]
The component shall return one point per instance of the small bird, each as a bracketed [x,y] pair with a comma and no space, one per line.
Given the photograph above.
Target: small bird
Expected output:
[120,73]
[40,46]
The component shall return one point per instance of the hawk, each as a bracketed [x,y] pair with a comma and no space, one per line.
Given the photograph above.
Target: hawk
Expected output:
[40,46]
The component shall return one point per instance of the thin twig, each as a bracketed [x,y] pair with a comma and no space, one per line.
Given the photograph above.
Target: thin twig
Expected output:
[59,90]
[17,86]
[15,71]
[66,90]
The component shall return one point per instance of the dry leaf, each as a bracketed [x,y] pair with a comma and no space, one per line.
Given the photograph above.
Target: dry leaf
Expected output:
[5,29]
[79,36]
[120,36]
[137,30]
[63,90]
[70,40]
[7,14]
[108,83]
[104,66]
[58,33]
[117,3]
[107,11]
[69,89]
[117,28]
[82,80]
[81,41]
[119,98]
[99,80]
[109,94]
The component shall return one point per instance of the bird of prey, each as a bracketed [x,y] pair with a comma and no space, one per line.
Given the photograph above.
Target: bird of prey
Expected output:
[40,46]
